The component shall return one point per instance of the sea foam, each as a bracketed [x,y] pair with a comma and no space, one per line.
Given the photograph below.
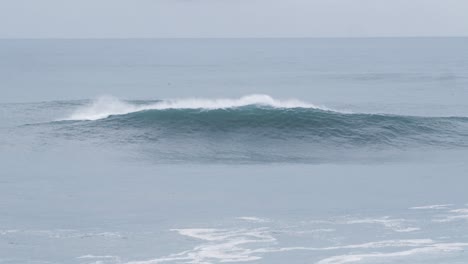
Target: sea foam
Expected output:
[106,106]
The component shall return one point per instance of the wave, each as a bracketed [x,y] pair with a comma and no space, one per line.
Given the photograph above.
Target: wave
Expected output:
[107,106]
[261,115]
[255,128]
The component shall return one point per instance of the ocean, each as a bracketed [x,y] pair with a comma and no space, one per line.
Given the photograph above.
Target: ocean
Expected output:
[144,151]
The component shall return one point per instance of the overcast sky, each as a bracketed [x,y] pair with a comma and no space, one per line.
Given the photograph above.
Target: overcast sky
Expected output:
[231,18]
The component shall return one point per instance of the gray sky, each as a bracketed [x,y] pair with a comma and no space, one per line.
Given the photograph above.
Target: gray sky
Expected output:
[231,18]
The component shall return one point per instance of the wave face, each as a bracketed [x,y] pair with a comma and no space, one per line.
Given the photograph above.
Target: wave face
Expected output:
[255,128]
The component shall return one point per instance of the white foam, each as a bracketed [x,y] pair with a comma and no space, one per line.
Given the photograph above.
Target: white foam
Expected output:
[106,106]
[388,243]
[432,207]
[253,219]
[100,259]
[230,251]
[431,249]
[397,225]
[208,234]
[219,245]
[460,211]
[103,107]
[369,245]
[452,218]
[459,214]
[224,245]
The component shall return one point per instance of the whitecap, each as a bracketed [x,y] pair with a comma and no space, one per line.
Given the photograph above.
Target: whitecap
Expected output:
[106,106]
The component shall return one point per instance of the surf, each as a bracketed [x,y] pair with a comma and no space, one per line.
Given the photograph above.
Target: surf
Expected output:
[106,106]
[254,122]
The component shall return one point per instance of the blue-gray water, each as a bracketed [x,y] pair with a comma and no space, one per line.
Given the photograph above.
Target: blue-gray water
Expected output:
[325,151]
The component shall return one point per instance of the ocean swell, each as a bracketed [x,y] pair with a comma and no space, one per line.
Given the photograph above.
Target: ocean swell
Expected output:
[255,128]
[264,117]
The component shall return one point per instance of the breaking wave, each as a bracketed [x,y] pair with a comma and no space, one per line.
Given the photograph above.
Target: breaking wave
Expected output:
[255,128]
[106,106]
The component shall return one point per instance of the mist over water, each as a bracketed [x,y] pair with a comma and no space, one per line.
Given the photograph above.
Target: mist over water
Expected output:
[327,151]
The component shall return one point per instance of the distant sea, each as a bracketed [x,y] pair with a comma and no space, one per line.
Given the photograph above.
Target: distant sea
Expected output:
[144,151]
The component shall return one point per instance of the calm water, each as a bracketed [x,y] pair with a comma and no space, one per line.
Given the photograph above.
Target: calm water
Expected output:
[326,151]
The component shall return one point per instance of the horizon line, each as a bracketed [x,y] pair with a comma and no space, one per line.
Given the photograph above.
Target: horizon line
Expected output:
[214,38]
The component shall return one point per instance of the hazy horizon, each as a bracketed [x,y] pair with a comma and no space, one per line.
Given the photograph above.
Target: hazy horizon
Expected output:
[232,19]
[214,38]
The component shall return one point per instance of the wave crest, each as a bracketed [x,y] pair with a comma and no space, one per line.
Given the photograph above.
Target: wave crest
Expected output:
[106,106]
